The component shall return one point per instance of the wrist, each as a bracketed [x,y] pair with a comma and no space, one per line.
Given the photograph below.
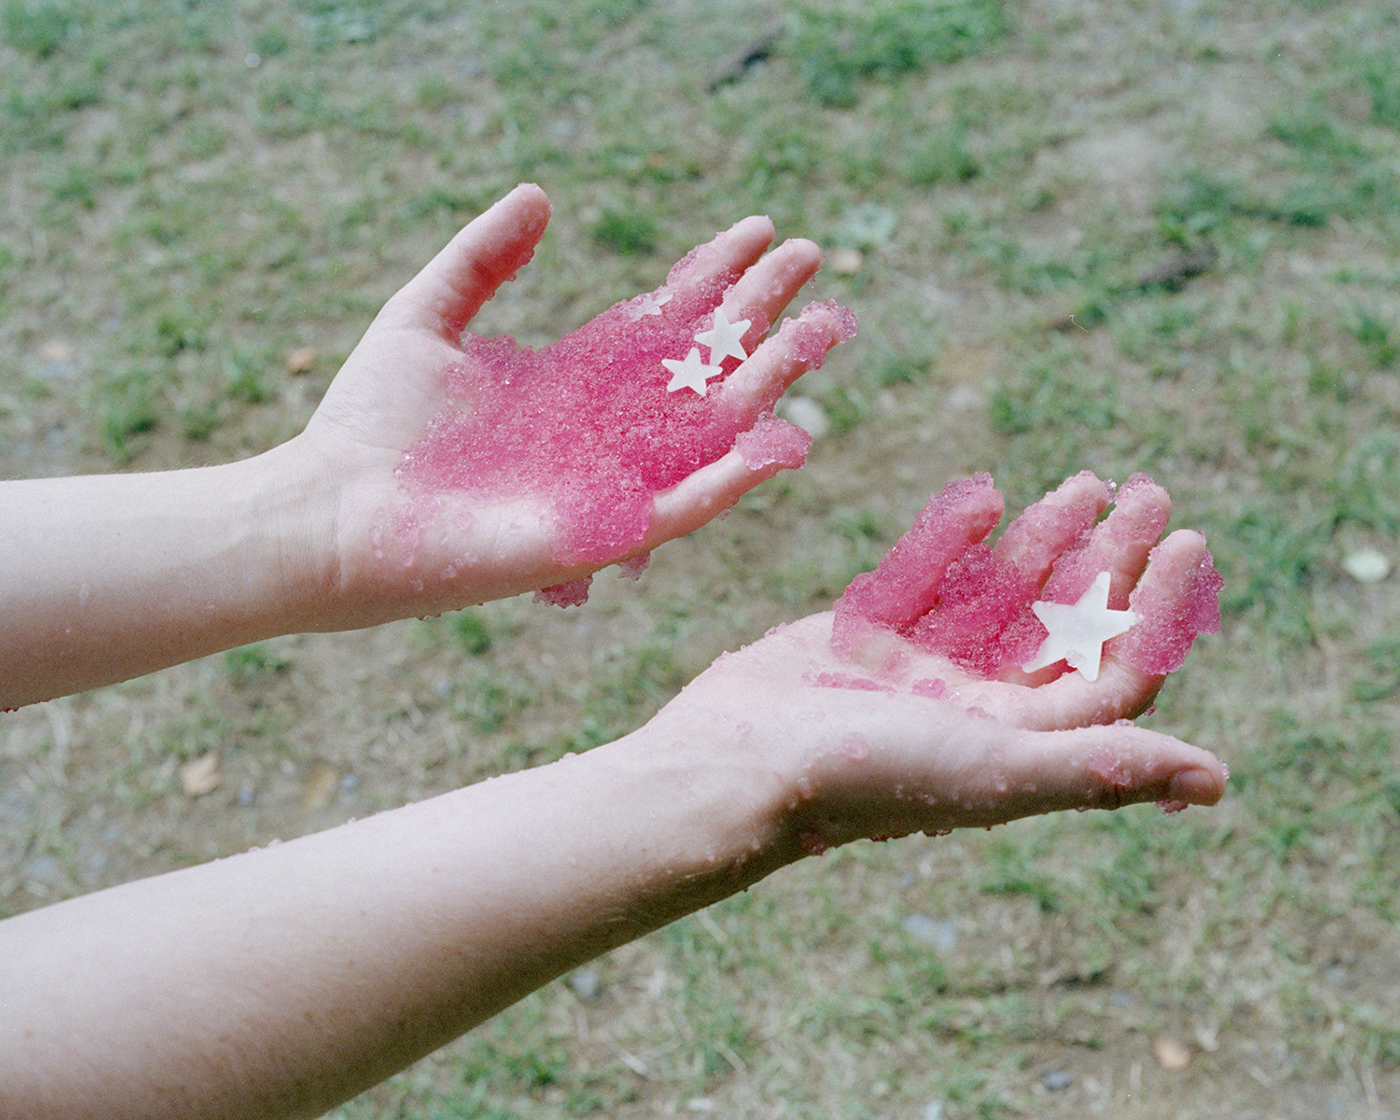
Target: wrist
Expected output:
[731,818]
[104,578]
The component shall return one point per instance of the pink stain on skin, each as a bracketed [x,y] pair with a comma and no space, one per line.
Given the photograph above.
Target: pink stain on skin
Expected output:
[950,593]
[588,427]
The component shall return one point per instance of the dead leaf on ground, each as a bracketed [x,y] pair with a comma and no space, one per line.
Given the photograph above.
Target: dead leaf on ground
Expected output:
[321,785]
[300,359]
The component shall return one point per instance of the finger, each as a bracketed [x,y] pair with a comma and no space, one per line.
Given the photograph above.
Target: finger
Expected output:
[728,254]
[971,772]
[765,445]
[905,585]
[1051,526]
[703,496]
[1101,768]
[1118,545]
[1121,691]
[799,345]
[767,287]
[1176,599]
[452,287]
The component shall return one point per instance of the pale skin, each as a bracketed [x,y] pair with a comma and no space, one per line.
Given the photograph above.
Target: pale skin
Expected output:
[282,981]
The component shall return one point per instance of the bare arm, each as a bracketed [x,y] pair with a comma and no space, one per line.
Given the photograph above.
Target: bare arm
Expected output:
[281,981]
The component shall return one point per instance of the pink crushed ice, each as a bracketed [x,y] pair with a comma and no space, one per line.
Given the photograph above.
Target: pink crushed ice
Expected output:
[949,592]
[587,426]
[1162,645]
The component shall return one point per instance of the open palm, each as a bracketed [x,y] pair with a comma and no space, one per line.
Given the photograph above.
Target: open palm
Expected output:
[422,549]
[888,736]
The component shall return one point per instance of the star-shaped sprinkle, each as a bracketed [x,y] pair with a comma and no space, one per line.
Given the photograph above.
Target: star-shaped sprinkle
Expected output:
[691,373]
[651,305]
[725,339]
[1077,632]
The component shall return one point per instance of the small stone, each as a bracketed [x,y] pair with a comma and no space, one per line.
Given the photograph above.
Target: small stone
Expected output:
[201,775]
[807,414]
[845,262]
[934,1110]
[55,350]
[585,983]
[1171,1053]
[1056,1080]
[942,935]
[1367,565]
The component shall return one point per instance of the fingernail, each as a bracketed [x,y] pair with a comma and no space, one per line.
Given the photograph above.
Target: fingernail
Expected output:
[1198,787]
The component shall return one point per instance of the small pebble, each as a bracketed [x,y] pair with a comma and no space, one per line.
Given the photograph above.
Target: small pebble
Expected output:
[807,414]
[585,983]
[1171,1053]
[1056,1080]
[942,935]
[1367,565]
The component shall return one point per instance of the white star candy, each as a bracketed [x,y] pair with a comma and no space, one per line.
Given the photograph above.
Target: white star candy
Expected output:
[691,373]
[725,339]
[651,305]
[1077,632]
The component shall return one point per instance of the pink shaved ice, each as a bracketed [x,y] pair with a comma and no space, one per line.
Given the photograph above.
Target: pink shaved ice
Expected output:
[905,585]
[588,427]
[948,592]
[1160,644]
[772,441]
[571,594]
[1077,568]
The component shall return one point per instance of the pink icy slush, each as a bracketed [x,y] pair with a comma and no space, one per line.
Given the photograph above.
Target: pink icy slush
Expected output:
[588,426]
[950,593]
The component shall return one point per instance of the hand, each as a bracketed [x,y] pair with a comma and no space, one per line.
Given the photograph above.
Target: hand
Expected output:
[879,736]
[402,546]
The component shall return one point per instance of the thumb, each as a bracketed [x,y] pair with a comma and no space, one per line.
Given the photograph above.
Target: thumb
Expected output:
[452,287]
[1109,767]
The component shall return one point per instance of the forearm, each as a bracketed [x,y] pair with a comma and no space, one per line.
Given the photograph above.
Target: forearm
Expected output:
[284,980]
[107,577]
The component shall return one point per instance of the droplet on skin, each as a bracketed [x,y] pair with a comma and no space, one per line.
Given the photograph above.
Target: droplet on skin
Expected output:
[855,748]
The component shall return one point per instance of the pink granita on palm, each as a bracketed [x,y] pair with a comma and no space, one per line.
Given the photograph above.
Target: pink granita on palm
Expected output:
[905,585]
[946,590]
[588,426]
[1161,643]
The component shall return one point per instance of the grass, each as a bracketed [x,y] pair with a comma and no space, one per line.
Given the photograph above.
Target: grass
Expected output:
[197,189]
